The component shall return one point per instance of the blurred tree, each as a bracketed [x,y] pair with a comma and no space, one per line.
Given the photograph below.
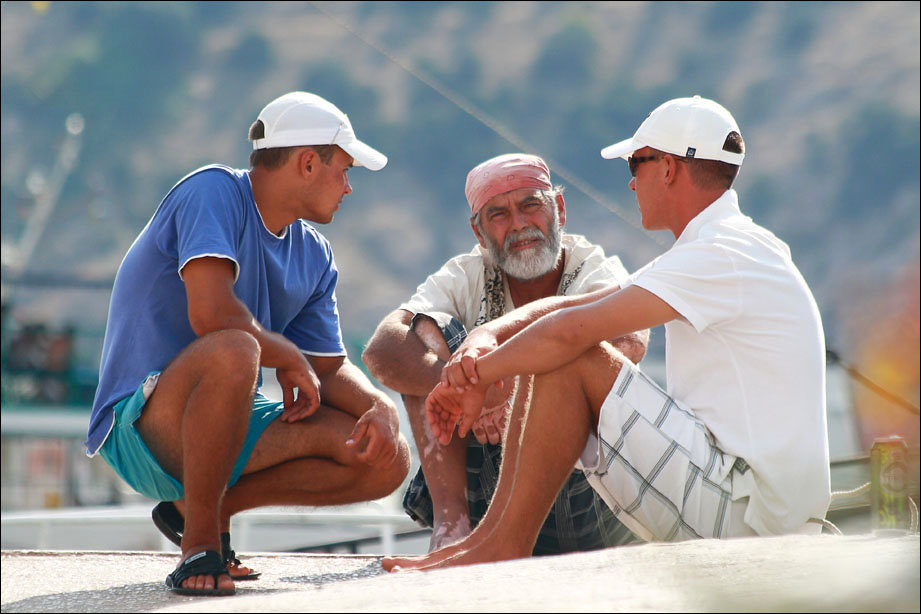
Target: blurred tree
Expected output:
[566,63]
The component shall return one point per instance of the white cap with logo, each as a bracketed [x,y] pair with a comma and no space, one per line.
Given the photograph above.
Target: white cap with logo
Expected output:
[688,127]
[301,118]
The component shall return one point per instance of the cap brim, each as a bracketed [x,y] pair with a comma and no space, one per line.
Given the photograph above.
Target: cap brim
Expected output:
[365,156]
[623,149]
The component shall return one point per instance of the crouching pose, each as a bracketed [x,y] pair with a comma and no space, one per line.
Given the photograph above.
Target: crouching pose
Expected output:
[224,279]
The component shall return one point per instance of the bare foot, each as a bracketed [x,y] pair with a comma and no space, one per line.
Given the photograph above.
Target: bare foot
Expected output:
[405,563]
[488,551]
[238,571]
[449,532]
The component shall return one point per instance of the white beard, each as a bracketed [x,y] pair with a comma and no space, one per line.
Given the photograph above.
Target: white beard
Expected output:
[534,262]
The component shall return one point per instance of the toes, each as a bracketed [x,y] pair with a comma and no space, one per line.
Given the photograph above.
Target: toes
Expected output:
[225,583]
[205,582]
[237,571]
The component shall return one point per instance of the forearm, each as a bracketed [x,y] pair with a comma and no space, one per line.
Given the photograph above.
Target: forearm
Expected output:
[276,349]
[553,340]
[398,359]
[349,390]
[512,323]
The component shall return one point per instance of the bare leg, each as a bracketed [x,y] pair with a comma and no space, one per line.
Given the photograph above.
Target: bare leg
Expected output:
[204,396]
[307,463]
[445,467]
[520,404]
[550,444]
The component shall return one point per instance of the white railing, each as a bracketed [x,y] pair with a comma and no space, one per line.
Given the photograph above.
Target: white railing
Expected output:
[384,525]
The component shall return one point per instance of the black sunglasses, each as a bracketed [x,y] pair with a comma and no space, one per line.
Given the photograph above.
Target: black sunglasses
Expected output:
[635,161]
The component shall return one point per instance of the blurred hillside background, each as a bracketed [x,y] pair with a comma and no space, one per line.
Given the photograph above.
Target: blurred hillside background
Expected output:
[106,105]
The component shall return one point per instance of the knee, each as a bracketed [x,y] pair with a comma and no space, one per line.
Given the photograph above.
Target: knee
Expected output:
[232,351]
[387,478]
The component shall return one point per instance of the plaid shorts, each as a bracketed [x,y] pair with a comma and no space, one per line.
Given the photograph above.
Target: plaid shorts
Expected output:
[579,519]
[659,469]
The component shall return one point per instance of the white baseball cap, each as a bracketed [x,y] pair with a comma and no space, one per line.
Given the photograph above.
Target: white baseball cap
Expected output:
[301,118]
[688,127]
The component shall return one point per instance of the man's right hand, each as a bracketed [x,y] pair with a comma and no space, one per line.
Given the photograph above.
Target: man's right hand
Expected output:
[460,371]
[298,375]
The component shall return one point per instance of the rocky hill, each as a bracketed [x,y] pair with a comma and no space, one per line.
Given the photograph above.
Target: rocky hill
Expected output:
[826,94]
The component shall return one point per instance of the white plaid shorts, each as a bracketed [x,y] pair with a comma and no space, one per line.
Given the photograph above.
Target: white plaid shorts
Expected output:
[657,466]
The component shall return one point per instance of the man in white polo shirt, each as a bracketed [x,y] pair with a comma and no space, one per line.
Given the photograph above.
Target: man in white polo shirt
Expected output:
[736,445]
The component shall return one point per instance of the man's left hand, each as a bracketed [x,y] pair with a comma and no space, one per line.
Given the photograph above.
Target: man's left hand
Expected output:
[376,436]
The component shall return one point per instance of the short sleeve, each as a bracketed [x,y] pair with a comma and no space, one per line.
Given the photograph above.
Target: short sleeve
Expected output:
[316,329]
[444,291]
[698,280]
[208,218]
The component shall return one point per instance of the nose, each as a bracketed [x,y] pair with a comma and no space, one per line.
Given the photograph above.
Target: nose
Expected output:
[519,220]
[632,184]
[348,186]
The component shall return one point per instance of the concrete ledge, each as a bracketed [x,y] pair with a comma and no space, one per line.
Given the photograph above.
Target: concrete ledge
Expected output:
[794,573]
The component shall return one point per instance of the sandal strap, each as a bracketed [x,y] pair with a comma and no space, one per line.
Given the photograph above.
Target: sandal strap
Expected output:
[229,556]
[205,562]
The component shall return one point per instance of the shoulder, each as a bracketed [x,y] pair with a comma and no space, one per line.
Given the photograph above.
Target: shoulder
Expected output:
[584,257]
[214,175]
[311,238]
[211,186]
[471,262]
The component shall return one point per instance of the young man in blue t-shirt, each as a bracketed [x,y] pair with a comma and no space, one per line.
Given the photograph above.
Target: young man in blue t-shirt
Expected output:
[227,278]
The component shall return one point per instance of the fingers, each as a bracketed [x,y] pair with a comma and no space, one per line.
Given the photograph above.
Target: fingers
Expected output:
[378,448]
[357,435]
[440,417]
[492,430]
[480,433]
[460,372]
[470,411]
[468,364]
[287,391]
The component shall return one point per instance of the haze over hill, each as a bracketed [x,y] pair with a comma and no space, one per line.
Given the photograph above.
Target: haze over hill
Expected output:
[826,94]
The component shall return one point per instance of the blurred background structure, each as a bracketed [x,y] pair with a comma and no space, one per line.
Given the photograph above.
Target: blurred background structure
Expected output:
[105,105]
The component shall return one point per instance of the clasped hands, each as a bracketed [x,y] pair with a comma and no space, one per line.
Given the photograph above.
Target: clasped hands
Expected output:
[464,400]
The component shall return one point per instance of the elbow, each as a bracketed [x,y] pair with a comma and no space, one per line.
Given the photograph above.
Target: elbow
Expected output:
[633,346]
[203,323]
[372,359]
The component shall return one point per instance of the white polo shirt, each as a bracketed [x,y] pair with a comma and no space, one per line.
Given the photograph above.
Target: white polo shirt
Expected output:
[748,356]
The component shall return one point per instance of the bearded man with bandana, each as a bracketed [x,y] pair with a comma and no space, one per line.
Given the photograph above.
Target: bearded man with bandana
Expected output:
[517,216]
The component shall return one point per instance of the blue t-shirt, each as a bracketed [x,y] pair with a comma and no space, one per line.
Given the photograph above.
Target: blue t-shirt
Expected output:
[287,282]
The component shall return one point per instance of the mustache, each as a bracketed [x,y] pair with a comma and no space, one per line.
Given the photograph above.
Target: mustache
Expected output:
[524,235]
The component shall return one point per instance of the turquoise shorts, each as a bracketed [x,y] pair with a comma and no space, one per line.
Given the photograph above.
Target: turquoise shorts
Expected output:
[128,455]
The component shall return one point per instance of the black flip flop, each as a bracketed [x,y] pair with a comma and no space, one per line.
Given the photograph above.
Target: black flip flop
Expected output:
[171,524]
[169,521]
[206,562]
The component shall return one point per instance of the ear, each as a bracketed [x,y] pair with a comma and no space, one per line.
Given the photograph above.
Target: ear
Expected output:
[671,170]
[561,207]
[476,231]
[307,161]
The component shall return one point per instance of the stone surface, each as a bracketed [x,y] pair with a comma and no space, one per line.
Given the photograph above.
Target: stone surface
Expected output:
[849,573]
